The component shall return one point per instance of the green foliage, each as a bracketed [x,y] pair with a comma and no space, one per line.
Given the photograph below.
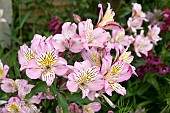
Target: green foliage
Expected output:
[39,87]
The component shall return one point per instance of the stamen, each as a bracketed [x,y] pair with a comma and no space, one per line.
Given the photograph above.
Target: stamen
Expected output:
[1,73]
[29,55]
[13,108]
[46,60]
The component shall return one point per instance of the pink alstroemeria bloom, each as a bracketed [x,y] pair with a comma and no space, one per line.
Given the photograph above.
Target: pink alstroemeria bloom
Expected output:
[135,23]
[69,39]
[87,78]
[3,70]
[107,21]
[92,107]
[119,37]
[25,54]
[28,104]
[46,63]
[94,55]
[137,11]
[13,106]
[118,72]
[142,45]
[92,37]
[10,86]
[153,34]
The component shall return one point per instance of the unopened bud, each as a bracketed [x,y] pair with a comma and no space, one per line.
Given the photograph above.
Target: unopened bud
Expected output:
[77,18]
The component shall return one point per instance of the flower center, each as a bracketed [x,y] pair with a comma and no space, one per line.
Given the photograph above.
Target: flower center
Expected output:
[13,108]
[1,73]
[47,60]
[15,85]
[29,55]
[95,58]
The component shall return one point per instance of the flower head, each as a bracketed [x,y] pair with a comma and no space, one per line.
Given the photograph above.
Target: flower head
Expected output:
[85,76]
[107,21]
[142,45]
[46,63]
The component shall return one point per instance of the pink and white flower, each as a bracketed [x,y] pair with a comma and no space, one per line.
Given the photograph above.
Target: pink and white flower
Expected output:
[69,39]
[10,86]
[92,37]
[3,70]
[85,76]
[137,11]
[119,37]
[107,21]
[153,34]
[135,23]
[142,45]
[46,63]
[13,106]
[92,107]
[26,54]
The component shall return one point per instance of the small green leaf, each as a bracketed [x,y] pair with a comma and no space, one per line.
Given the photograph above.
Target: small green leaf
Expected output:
[62,102]
[153,81]
[40,87]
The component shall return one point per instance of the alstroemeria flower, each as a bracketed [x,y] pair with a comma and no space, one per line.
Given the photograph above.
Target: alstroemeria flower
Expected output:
[107,21]
[92,37]
[137,11]
[46,63]
[142,45]
[13,106]
[3,70]
[69,39]
[28,104]
[10,86]
[135,23]
[85,77]
[25,54]
[92,107]
[118,72]
[119,37]
[153,34]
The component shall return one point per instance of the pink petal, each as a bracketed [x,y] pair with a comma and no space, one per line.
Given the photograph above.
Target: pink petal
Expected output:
[72,86]
[112,26]
[33,71]
[5,70]
[59,42]
[96,106]
[68,29]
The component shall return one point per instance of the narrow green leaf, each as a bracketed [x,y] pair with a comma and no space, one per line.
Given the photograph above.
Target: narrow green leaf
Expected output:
[23,20]
[40,87]
[62,102]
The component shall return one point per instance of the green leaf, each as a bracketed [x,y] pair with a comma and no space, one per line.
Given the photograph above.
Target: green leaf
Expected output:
[23,20]
[53,88]
[142,104]
[62,102]
[153,81]
[77,97]
[40,87]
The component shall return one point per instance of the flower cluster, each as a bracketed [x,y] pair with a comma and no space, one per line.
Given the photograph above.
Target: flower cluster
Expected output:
[153,64]
[104,62]
[142,44]
[160,18]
